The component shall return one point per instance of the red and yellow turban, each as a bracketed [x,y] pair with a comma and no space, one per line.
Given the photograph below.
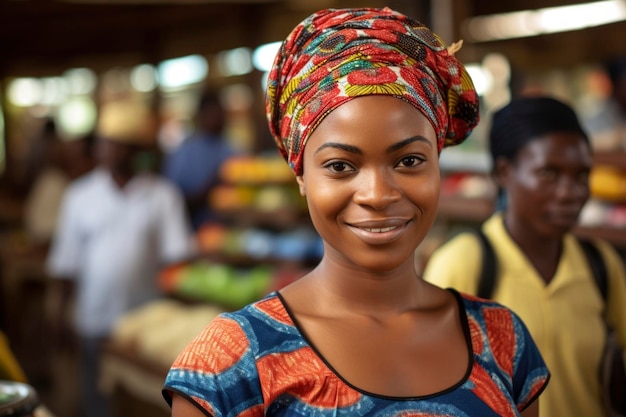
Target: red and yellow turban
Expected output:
[338,54]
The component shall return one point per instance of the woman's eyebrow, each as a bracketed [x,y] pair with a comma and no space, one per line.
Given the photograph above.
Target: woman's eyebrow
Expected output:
[355,150]
[405,142]
[342,146]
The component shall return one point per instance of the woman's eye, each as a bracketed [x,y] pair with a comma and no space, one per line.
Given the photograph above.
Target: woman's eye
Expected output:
[338,167]
[410,161]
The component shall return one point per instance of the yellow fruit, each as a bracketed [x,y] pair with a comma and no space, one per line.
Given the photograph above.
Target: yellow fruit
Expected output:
[608,183]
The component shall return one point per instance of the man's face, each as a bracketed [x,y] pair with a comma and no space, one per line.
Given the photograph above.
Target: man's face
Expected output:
[115,156]
[547,183]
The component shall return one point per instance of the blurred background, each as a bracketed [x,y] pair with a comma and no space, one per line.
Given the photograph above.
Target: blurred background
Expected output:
[62,61]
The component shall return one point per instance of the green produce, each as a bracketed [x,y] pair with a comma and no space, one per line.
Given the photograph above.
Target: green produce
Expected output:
[223,284]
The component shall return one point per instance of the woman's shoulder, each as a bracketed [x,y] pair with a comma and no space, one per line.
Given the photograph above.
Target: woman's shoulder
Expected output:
[269,304]
[264,316]
[254,326]
[489,314]
[498,333]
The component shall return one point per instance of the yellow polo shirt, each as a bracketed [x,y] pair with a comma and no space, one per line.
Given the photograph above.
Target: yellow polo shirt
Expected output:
[564,317]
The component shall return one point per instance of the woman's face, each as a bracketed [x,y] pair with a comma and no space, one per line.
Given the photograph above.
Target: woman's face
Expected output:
[547,183]
[371,180]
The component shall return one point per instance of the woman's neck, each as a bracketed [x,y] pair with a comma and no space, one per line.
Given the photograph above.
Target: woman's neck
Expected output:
[348,289]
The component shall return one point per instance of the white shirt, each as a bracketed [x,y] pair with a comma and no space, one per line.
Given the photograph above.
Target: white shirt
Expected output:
[114,241]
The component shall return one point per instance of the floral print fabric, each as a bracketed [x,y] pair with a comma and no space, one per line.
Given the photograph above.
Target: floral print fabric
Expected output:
[255,362]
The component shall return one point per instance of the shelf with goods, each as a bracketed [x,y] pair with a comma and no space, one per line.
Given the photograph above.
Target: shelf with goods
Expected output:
[604,216]
[263,241]
[610,158]
[467,189]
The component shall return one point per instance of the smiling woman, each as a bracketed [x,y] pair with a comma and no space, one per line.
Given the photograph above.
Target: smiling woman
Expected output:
[360,103]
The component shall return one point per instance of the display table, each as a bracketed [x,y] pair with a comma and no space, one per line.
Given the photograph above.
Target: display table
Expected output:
[142,348]
[134,382]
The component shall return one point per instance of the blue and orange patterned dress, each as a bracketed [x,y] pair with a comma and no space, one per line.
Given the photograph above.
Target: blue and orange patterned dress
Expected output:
[256,362]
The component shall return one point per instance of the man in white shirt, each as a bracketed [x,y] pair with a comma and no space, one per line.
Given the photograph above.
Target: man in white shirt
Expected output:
[116,230]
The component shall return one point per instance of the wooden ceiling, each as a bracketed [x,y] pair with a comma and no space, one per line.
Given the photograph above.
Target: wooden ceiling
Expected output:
[562,50]
[38,37]
[45,37]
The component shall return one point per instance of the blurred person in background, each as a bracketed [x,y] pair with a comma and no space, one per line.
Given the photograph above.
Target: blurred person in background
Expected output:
[23,249]
[67,160]
[195,164]
[38,154]
[118,227]
[541,162]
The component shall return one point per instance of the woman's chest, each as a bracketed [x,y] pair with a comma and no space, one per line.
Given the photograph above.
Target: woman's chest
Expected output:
[303,384]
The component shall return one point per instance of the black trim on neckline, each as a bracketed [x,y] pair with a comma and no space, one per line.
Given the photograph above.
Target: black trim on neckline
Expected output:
[466,334]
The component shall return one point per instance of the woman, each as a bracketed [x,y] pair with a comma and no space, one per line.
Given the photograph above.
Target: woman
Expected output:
[541,162]
[361,102]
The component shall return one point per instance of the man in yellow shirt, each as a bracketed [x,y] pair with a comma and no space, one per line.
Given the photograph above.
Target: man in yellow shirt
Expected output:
[541,162]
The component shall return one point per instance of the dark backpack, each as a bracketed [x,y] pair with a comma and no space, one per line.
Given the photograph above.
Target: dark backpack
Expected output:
[612,371]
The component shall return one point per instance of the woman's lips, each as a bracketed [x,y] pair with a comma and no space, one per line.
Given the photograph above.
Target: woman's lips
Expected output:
[379,234]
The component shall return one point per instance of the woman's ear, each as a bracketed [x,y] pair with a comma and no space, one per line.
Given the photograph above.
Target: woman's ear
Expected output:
[300,181]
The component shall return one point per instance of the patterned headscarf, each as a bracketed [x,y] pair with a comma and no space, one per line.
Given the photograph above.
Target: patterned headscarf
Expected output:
[336,55]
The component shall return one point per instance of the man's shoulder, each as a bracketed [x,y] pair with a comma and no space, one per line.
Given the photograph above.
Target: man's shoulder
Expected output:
[459,246]
[158,184]
[88,182]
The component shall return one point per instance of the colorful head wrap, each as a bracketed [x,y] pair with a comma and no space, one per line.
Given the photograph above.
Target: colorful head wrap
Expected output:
[336,55]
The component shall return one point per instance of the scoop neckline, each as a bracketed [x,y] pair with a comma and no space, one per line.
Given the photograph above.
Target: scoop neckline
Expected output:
[466,335]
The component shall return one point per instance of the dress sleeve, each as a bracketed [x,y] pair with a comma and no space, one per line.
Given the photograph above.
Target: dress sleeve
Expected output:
[530,373]
[217,372]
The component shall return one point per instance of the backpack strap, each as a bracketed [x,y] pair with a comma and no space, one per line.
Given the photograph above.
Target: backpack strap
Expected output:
[596,263]
[487,279]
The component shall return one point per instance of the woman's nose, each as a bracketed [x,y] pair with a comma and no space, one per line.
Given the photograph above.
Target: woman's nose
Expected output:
[376,189]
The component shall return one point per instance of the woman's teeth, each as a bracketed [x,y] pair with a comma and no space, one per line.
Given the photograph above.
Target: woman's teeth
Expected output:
[378,229]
